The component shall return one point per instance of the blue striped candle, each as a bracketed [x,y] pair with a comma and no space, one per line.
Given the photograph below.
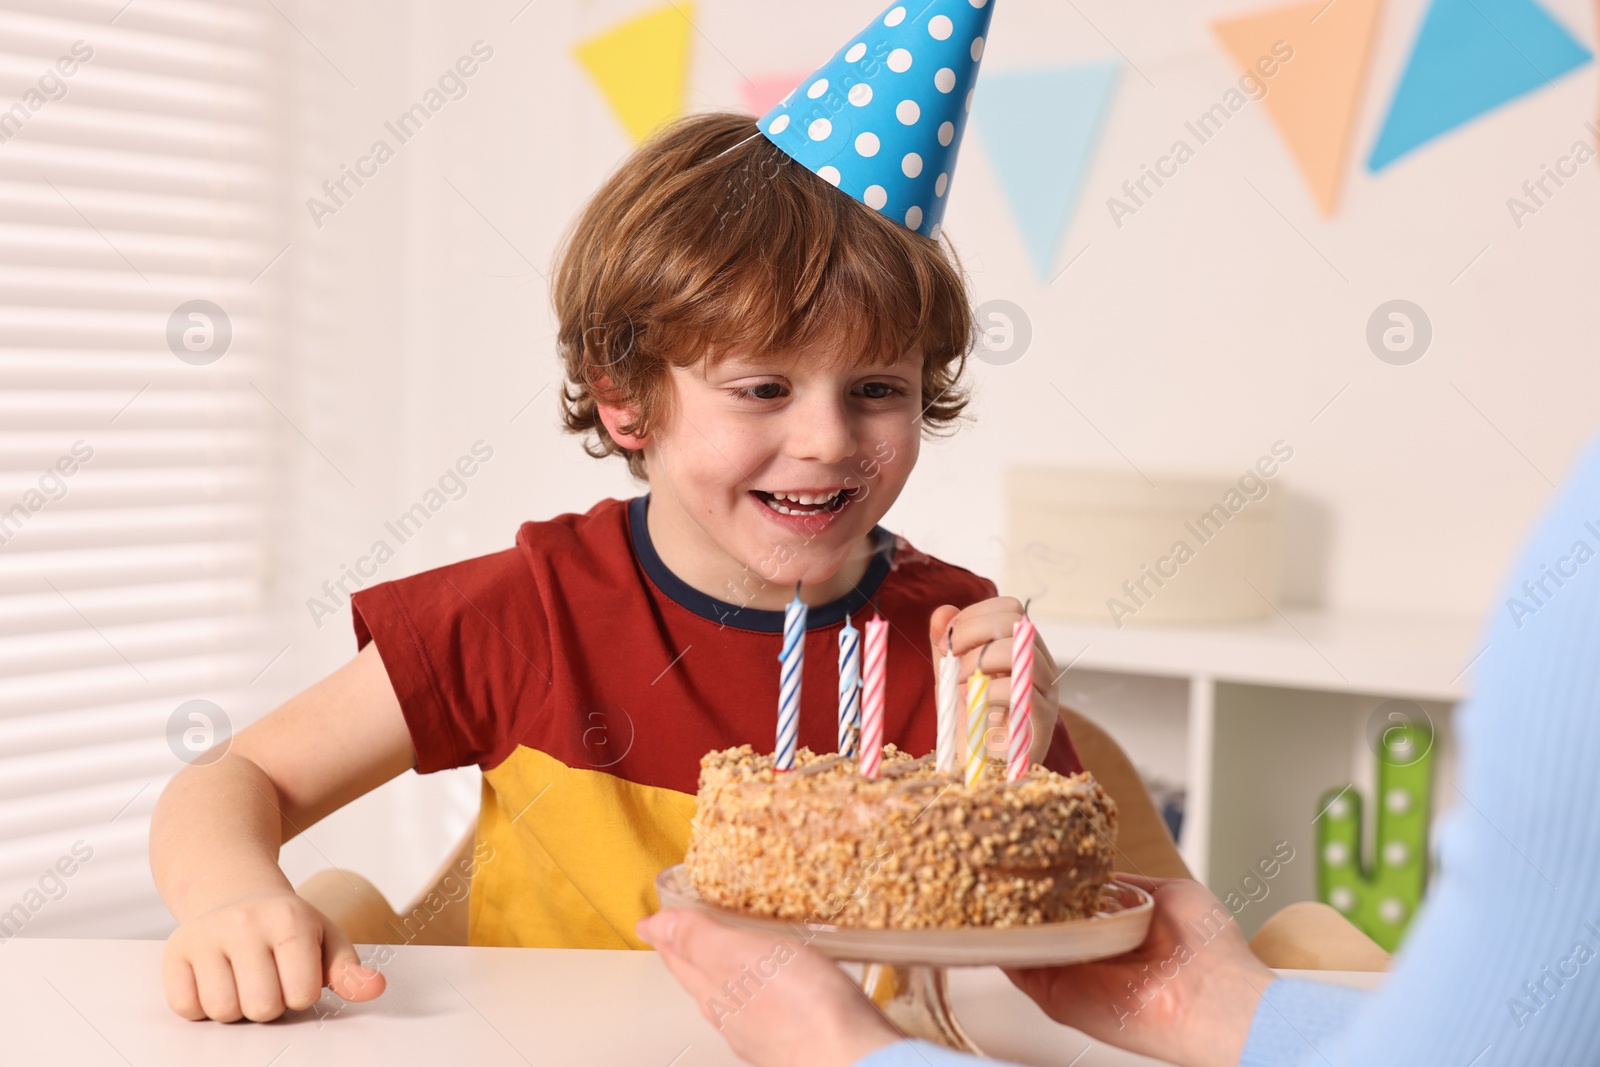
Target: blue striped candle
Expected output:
[849,689]
[792,658]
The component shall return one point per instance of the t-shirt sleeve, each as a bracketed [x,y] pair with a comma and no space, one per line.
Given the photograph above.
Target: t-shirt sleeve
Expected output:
[467,650]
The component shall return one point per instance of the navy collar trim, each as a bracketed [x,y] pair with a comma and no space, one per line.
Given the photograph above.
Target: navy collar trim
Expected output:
[763,620]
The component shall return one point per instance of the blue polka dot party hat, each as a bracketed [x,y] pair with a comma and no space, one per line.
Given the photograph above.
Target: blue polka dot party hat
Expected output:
[883,119]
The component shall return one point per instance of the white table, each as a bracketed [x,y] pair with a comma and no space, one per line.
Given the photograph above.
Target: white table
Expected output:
[93,1002]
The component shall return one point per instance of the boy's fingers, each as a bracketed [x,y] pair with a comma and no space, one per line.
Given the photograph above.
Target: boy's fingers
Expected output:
[976,623]
[255,976]
[1001,605]
[177,981]
[213,979]
[342,970]
[996,657]
[993,653]
[939,626]
[299,963]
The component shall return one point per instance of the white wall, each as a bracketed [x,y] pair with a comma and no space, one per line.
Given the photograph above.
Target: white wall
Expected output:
[1202,330]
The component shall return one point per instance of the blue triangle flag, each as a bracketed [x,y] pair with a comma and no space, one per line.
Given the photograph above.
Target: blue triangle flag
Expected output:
[1470,57]
[1040,128]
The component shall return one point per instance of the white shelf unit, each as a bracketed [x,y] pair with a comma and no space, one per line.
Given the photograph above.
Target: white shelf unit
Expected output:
[1257,720]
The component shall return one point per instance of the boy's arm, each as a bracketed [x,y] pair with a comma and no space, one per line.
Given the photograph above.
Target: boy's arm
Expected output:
[247,946]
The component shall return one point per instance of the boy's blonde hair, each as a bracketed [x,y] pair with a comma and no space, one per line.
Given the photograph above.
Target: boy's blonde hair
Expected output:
[709,240]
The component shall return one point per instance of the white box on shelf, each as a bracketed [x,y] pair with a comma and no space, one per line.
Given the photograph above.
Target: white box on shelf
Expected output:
[1110,546]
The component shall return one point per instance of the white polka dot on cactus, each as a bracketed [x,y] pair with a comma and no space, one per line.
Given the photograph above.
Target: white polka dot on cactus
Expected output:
[883,119]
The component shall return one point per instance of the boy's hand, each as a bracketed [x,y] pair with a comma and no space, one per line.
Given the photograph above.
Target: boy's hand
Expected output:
[991,621]
[255,957]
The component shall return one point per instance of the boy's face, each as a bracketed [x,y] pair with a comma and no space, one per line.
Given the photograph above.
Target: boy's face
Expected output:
[748,435]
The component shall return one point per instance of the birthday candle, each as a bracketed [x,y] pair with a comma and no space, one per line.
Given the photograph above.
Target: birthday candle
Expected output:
[1021,734]
[849,689]
[948,748]
[874,682]
[793,658]
[977,720]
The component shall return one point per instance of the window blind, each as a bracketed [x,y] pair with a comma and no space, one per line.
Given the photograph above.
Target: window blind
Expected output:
[135,178]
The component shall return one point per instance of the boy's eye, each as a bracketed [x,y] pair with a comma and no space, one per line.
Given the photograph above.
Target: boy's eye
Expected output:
[776,390]
[764,391]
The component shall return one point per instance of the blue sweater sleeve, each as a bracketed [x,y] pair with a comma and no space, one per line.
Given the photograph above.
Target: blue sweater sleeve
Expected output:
[1500,966]
[919,1054]
[1295,1017]
[1503,964]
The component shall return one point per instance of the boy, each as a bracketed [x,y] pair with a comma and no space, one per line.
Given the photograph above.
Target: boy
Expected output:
[766,353]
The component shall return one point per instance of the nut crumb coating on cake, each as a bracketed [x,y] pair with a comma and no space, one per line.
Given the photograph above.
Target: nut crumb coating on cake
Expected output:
[912,849]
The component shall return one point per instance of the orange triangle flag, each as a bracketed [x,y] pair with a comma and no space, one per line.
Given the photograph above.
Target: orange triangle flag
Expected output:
[642,67]
[1312,97]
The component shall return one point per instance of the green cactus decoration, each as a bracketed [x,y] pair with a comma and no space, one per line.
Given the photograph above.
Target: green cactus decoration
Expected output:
[1383,901]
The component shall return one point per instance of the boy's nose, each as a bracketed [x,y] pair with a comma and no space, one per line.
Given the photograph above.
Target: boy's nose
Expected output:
[822,431]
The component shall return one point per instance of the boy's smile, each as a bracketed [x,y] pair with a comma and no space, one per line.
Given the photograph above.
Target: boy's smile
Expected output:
[769,471]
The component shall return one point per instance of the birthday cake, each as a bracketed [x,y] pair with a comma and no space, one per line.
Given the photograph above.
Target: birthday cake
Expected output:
[913,848]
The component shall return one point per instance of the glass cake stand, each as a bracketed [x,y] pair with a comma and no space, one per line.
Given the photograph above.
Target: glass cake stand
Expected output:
[905,969]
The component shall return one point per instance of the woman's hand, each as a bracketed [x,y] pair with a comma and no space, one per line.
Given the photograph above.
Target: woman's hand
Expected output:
[989,623]
[256,957]
[1187,995]
[778,1003]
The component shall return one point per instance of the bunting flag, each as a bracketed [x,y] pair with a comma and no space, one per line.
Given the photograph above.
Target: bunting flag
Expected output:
[1470,57]
[642,67]
[1313,97]
[1040,128]
[764,92]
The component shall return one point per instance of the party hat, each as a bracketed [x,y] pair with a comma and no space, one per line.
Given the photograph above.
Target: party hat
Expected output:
[883,119]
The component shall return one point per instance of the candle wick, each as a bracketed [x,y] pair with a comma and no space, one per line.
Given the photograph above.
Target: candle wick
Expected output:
[1025,604]
[979,665]
[949,640]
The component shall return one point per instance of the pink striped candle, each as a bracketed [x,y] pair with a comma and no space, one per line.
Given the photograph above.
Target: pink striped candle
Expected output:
[874,683]
[947,746]
[1021,733]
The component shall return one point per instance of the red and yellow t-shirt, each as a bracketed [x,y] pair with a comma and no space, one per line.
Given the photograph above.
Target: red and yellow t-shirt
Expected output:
[587,680]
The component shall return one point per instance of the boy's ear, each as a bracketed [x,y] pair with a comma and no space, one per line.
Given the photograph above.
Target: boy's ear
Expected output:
[614,416]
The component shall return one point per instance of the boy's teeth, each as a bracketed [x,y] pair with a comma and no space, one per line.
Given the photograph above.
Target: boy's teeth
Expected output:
[807,500]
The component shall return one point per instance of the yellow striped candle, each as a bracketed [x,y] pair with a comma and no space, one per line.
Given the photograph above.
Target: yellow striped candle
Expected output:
[977,721]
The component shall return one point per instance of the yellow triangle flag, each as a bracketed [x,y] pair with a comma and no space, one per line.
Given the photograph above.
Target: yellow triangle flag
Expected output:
[1312,97]
[642,67]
